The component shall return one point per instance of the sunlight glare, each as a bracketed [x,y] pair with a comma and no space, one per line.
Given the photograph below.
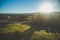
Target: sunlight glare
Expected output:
[46,8]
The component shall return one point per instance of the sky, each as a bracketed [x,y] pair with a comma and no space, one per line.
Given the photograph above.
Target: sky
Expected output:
[25,6]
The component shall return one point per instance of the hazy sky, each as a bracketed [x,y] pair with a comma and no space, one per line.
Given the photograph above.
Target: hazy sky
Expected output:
[23,6]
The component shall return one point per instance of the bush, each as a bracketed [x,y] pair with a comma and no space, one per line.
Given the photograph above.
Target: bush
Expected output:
[15,27]
[43,35]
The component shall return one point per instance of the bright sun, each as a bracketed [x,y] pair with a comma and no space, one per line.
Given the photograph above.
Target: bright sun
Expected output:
[46,8]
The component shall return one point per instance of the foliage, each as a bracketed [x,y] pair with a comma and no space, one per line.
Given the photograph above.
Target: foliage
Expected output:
[15,27]
[43,35]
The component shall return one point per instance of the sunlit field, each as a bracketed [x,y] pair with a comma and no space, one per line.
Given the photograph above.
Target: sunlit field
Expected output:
[34,26]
